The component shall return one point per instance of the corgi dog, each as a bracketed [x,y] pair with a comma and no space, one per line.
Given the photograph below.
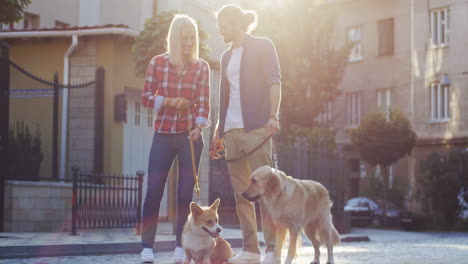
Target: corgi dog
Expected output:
[200,237]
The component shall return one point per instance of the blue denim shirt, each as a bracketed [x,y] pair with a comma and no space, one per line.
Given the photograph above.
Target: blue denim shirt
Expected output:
[259,70]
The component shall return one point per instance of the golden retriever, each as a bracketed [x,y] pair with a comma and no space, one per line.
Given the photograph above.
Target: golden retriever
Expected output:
[295,205]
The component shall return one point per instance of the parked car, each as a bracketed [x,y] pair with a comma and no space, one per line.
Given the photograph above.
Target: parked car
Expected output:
[365,211]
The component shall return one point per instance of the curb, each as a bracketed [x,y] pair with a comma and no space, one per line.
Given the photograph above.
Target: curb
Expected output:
[36,251]
[346,239]
[11,252]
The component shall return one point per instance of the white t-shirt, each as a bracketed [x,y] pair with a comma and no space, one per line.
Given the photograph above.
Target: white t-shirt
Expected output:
[234,111]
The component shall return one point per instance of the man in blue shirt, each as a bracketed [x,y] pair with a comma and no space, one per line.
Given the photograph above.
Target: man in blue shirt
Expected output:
[250,94]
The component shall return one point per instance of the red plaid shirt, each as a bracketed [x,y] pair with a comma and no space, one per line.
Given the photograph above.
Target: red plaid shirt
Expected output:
[193,84]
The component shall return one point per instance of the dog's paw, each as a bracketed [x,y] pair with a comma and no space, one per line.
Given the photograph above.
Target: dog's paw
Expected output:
[315,262]
[288,261]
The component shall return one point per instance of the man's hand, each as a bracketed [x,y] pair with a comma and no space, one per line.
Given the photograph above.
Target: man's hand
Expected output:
[217,145]
[273,125]
[195,134]
[179,103]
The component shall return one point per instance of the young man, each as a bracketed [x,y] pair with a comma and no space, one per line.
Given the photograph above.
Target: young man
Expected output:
[250,94]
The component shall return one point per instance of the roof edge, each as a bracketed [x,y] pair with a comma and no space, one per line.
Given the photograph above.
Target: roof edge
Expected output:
[68,33]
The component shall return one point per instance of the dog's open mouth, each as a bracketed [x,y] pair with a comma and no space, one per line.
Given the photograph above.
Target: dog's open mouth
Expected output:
[251,199]
[213,235]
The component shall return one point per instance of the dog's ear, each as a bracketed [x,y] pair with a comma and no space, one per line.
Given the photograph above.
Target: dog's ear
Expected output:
[195,209]
[215,205]
[274,183]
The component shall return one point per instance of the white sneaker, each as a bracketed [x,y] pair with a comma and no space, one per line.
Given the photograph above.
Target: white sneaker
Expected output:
[147,255]
[245,257]
[269,258]
[179,255]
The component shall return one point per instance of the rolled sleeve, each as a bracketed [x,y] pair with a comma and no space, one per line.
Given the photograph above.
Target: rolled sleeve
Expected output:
[158,101]
[271,64]
[202,121]
[150,86]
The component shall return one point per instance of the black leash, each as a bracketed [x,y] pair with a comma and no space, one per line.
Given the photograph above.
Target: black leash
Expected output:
[275,156]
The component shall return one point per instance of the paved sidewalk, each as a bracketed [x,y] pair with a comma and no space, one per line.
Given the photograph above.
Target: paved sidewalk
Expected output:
[104,241]
[385,247]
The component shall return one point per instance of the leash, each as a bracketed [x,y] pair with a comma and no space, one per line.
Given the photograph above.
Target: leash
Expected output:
[215,153]
[196,186]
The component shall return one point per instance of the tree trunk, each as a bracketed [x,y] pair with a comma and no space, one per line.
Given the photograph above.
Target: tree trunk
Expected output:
[385,191]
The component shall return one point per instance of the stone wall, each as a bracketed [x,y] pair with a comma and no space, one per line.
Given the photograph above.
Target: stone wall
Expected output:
[37,206]
[81,124]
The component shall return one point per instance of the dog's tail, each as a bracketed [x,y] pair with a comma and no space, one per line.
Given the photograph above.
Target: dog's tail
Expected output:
[335,236]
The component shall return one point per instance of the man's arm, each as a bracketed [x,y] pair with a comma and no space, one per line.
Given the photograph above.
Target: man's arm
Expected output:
[275,98]
[273,76]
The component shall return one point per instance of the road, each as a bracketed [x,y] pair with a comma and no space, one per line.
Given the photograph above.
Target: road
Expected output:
[384,247]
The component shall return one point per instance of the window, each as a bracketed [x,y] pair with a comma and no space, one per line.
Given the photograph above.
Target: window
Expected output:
[386,40]
[354,35]
[353,109]
[137,113]
[324,117]
[384,100]
[379,173]
[60,24]
[30,21]
[440,27]
[362,169]
[150,117]
[440,102]
[9,26]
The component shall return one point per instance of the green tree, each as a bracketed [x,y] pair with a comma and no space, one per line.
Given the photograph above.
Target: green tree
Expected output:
[440,182]
[12,10]
[152,41]
[383,140]
[312,58]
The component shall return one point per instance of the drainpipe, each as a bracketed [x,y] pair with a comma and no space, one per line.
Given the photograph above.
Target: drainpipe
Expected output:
[65,99]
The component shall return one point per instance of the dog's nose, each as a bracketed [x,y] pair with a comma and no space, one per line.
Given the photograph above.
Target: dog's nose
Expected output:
[218,230]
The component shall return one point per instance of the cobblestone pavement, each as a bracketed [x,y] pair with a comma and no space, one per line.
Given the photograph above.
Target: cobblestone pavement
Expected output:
[385,247]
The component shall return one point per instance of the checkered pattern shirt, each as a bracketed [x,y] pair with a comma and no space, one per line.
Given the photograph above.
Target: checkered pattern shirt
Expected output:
[162,80]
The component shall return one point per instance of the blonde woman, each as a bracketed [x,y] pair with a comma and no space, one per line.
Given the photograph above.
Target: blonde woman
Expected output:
[177,88]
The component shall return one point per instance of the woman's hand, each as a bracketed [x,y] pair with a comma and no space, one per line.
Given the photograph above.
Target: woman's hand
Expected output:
[179,103]
[195,134]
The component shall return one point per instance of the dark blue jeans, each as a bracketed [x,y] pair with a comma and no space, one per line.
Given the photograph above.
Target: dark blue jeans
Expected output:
[163,151]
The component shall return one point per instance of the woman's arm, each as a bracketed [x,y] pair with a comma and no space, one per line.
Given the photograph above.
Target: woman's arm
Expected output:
[149,95]
[202,97]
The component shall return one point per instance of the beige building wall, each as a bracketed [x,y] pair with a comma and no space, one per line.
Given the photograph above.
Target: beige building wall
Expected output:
[375,72]
[47,10]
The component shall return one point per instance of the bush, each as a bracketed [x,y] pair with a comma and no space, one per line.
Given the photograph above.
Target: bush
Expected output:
[441,180]
[373,187]
[24,153]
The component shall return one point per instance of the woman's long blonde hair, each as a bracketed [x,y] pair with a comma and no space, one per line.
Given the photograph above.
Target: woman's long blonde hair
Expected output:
[174,39]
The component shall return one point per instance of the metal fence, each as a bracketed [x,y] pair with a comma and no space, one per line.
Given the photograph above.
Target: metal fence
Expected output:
[106,201]
[319,163]
[30,110]
[30,121]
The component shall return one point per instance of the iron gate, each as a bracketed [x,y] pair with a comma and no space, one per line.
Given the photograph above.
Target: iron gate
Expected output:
[106,201]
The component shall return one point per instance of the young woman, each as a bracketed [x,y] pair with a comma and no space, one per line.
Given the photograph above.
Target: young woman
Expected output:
[177,87]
